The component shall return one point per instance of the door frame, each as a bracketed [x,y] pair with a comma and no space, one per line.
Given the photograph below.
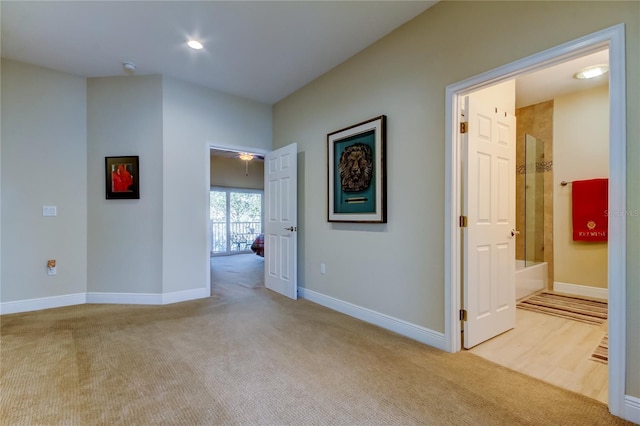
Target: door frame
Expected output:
[209,146]
[612,38]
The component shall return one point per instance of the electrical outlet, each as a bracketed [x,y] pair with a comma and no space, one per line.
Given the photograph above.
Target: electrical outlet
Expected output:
[51,267]
[323,269]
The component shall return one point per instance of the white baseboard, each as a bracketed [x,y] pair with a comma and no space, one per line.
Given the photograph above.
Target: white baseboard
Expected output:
[183,296]
[98,297]
[42,303]
[147,298]
[125,298]
[632,409]
[413,331]
[581,290]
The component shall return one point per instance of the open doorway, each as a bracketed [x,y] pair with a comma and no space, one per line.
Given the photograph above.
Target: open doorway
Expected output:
[236,182]
[560,285]
[613,39]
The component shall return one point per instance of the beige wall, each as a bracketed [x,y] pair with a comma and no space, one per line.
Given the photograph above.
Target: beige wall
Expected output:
[398,268]
[230,173]
[581,151]
[44,152]
[56,131]
[195,117]
[125,236]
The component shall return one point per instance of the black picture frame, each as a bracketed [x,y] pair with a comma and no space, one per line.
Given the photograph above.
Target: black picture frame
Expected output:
[357,176]
[122,178]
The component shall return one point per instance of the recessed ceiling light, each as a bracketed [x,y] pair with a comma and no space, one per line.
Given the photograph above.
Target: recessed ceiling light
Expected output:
[195,44]
[592,72]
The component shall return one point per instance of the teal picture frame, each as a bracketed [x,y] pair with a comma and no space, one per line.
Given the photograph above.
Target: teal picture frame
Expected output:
[357,178]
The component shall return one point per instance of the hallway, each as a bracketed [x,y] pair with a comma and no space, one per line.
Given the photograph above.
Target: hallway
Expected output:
[246,270]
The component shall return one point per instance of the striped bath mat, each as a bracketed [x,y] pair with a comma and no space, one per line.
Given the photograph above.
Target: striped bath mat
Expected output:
[601,353]
[570,307]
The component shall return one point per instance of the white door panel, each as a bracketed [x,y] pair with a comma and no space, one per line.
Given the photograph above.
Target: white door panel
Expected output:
[489,248]
[280,237]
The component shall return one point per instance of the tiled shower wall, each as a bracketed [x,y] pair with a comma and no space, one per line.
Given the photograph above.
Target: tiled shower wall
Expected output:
[536,120]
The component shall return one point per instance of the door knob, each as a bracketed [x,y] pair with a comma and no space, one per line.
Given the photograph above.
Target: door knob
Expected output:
[291,228]
[514,232]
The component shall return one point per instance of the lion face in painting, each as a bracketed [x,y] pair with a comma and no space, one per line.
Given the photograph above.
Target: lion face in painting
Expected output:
[356,166]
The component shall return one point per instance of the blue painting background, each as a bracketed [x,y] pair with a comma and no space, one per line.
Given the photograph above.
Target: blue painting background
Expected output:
[340,204]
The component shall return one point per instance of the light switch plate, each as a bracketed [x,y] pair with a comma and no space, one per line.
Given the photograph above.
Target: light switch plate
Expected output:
[49,211]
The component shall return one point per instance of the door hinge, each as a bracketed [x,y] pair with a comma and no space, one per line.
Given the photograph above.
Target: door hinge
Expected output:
[463,221]
[464,126]
[463,314]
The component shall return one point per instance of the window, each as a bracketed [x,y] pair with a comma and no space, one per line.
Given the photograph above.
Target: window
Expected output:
[235,218]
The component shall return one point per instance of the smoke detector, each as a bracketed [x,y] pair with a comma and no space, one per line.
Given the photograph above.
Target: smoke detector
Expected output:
[129,67]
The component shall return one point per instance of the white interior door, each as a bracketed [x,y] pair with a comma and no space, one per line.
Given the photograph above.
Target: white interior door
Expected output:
[489,246]
[280,235]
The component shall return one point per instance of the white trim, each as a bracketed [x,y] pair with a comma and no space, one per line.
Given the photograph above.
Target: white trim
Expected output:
[215,145]
[99,297]
[206,213]
[125,298]
[632,408]
[237,148]
[581,290]
[613,38]
[147,298]
[185,295]
[617,248]
[42,303]
[413,331]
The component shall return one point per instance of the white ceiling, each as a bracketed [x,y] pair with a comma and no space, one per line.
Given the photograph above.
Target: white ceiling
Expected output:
[558,80]
[262,50]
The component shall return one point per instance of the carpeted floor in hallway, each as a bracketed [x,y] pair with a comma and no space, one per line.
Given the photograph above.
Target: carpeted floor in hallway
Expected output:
[246,270]
[247,356]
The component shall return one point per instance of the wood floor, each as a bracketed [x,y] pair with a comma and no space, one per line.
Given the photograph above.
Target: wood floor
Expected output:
[552,349]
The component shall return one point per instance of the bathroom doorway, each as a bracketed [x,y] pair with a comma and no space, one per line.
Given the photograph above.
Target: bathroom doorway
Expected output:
[613,38]
[556,349]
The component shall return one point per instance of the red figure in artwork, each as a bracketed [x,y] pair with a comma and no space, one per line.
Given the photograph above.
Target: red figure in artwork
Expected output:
[121,179]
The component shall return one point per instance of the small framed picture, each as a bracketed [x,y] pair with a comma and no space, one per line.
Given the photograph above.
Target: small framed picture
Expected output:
[122,178]
[357,173]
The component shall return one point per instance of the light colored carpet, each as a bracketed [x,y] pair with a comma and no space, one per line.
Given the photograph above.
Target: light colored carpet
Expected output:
[246,270]
[246,356]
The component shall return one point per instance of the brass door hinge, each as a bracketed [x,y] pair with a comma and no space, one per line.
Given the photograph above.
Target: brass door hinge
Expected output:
[464,127]
[463,221]
[463,314]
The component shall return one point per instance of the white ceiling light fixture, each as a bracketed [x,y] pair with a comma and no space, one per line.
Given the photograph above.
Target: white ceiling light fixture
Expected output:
[195,44]
[592,72]
[246,157]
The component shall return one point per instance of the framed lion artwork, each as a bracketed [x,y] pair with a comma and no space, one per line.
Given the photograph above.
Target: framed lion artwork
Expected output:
[357,178]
